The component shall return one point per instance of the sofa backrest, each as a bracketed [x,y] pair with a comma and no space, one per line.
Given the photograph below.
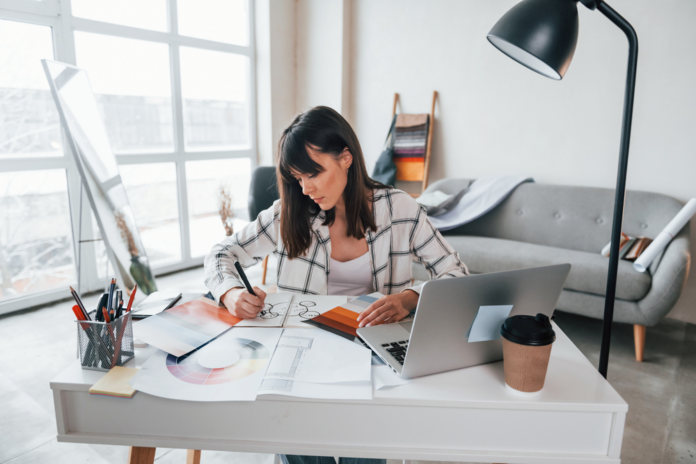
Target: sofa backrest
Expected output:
[576,218]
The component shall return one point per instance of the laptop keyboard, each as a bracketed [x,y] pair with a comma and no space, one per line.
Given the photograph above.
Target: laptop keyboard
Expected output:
[397,350]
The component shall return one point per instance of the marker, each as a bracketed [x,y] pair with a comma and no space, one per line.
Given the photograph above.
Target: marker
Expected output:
[244,277]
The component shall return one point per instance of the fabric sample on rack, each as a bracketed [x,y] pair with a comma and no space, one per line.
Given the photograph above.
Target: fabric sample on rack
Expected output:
[410,142]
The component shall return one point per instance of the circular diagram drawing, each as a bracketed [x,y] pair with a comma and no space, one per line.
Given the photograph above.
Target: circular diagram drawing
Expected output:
[214,365]
[268,313]
[302,309]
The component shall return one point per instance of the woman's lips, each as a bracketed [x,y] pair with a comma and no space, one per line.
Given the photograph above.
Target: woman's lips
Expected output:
[318,200]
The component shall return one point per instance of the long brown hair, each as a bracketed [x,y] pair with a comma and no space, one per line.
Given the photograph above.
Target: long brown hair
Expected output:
[328,132]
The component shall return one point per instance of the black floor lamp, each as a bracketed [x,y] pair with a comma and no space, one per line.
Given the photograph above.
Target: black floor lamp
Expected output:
[541,35]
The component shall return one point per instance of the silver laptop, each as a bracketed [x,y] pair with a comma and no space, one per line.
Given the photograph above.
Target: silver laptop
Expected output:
[452,314]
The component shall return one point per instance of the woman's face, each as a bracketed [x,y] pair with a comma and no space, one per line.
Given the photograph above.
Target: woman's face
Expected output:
[326,188]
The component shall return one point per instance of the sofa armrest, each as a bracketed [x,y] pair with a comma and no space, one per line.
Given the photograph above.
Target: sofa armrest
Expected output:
[669,279]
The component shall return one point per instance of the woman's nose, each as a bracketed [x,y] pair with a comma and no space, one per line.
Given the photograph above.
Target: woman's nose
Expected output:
[307,188]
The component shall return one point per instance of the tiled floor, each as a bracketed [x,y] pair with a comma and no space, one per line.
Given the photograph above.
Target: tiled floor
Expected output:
[36,345]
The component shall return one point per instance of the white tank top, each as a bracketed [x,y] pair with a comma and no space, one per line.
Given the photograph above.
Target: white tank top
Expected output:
[352,277]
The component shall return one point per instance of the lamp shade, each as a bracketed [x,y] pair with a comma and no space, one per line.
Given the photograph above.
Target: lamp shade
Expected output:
[539,34]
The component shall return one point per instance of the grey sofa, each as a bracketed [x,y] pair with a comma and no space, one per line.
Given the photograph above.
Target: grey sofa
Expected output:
[541,224]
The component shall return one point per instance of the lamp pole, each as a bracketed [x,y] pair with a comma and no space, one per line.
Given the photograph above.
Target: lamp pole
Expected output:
[619,200]
[542,35]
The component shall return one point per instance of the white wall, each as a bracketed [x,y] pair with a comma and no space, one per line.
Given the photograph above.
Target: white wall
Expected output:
[276,71]
[497,117]
[322,56]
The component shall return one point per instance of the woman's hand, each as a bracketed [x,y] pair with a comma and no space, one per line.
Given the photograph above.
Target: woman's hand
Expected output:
[389,308]
[240,303]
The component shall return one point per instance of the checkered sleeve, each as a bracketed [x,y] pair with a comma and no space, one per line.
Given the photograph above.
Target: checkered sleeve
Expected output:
[248,246]
[432,250]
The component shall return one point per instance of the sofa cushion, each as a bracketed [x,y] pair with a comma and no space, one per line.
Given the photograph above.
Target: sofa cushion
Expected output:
[587,274]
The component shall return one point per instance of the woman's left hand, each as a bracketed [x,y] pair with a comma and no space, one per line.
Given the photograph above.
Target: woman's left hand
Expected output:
[389,308]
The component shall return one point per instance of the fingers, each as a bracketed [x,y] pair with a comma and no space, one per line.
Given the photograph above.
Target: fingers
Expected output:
[378,316]
[251,300]
[373,307]
[368,319]
[260,293]
[385,316]
[248,305]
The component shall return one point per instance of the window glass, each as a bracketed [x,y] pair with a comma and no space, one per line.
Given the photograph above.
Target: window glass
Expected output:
[130,79]
[144,14]
[214,88]
[205,180]
[152,195]
[36,252]
[218,20]
[29,121]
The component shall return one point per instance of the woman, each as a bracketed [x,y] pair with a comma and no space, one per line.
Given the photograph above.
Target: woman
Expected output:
[334,231]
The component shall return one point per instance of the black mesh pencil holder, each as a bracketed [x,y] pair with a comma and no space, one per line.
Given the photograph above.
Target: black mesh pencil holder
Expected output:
[102,346]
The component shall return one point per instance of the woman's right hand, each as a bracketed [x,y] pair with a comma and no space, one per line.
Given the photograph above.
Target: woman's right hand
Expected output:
[240,303]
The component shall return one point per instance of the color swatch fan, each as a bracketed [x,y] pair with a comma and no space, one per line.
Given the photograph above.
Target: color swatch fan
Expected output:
[343,320]
[230,368]
[214,364]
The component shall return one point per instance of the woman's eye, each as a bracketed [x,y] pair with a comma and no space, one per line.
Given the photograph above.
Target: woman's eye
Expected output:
[312,176]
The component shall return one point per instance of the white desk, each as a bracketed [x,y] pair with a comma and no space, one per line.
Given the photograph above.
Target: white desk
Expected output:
[465,415]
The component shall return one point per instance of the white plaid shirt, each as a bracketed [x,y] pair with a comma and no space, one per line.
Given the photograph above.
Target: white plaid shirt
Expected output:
[404,233]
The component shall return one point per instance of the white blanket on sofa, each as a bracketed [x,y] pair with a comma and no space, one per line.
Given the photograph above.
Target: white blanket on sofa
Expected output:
[483,195]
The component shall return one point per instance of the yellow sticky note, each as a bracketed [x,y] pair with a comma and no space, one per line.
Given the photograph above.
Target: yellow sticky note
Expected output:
[115,383]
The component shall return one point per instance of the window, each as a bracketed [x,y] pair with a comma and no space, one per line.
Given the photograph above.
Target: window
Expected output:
[131,81]
[29,124]
[36,252]
[173,81]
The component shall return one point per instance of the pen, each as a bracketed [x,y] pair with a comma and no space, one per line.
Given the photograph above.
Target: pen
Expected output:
[102,302]
[130,301]
[244,277]
[118,303]
[110,301]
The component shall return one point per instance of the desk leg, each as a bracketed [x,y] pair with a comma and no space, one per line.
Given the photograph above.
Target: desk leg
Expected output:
[139,455]
[193,456]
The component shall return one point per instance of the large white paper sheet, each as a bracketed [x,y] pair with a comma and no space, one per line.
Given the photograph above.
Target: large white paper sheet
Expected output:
[230,368]
[317,356]
[305,307]
[273,313]
[666,236]
[332,391]
[384,377]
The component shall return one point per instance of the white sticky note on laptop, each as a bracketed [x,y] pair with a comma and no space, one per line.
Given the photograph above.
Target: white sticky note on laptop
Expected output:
[486,325]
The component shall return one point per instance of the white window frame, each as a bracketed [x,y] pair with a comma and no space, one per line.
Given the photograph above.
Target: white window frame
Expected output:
[58,15]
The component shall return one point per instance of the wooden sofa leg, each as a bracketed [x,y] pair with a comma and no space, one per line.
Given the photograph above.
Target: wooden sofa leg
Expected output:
[639,340]
[265,268]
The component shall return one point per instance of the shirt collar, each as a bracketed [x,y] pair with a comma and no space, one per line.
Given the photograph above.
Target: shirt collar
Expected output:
[379,210]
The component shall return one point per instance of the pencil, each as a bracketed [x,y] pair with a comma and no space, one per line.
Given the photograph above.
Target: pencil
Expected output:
[130,301]
[79,304]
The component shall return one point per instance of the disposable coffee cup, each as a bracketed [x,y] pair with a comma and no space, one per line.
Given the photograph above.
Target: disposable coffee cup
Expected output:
[527,342]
